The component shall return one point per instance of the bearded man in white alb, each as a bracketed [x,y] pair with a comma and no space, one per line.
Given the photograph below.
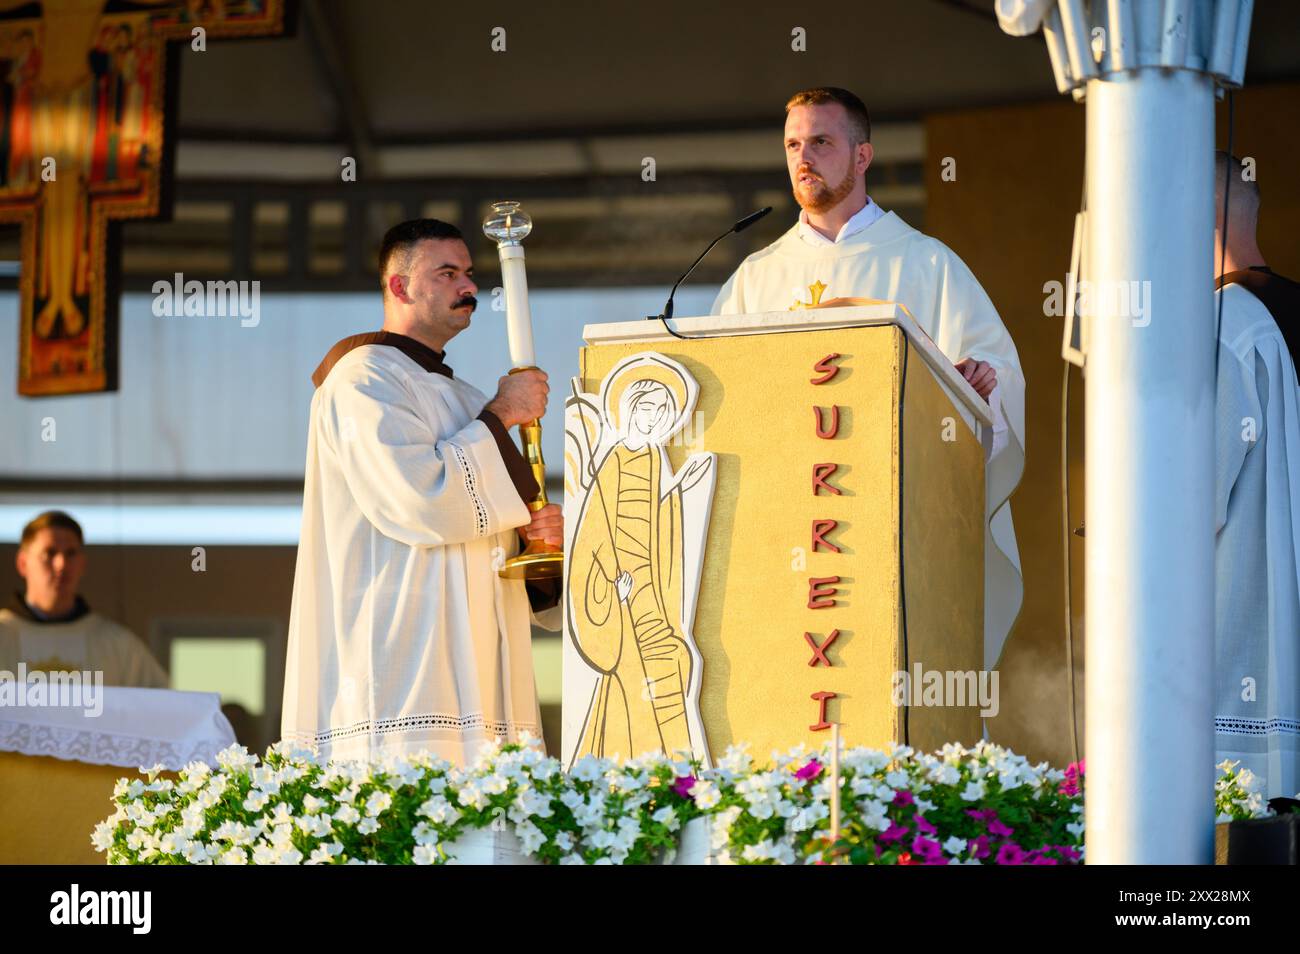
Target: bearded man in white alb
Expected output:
[848,247]
[403,637]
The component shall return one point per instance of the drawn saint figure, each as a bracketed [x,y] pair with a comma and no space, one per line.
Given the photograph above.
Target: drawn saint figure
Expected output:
[635,560]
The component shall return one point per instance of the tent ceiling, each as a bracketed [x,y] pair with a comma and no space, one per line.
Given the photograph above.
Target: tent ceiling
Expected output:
[414,71]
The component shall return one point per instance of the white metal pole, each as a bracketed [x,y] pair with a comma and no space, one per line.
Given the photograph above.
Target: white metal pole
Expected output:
[1150,468]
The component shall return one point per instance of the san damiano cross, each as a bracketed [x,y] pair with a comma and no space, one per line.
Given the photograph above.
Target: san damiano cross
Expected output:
[84,90]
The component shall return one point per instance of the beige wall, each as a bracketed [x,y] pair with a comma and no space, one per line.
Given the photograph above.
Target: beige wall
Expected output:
[1009,214]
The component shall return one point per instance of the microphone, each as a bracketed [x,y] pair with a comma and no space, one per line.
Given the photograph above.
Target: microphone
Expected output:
[740,226]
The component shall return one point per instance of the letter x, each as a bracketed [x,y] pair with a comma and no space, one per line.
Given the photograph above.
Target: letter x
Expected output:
[819,650]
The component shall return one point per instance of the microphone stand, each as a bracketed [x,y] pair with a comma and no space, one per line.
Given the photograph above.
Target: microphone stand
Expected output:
[740,226]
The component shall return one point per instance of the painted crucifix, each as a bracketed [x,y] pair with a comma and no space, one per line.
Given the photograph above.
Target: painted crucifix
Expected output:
[83,146]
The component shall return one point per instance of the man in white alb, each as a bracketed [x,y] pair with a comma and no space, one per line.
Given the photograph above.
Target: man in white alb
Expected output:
[49,627]
[846,246]
[402,636]
[1257,487]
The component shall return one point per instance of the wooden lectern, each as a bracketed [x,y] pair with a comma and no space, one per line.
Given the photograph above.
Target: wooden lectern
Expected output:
[843,544]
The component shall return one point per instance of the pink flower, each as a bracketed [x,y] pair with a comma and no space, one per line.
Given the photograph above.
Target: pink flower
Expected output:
[926,848]
[978,847]
[923,824]
[894,832]
[981,814]
[683,785]
[811,770]
[902,797]
[1073,777]
[1011,854]
[1000,830]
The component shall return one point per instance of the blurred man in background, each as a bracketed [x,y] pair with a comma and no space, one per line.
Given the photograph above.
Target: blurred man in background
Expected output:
[49,628]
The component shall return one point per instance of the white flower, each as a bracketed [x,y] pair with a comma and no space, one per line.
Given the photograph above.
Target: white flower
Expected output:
[529,801]
[1075,829]
[256,800]
[587,769]
[102,837]
[806,818]
[706,794]
[530,837]
[283,815]
[573,859]
[172,843]
[667,817]
[873,814]
[235,758]
[954,845]
[347,815]
[563,840]
[288,856]
[736,760]
[196,853]
[317,826]
[945,774]
[767,850]
[425,855]
[233,856]
[325,853]
[368,826]
[378,802]
[721,831]
[974,791]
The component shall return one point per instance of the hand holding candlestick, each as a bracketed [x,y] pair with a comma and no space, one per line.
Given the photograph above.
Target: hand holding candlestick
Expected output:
[508,226]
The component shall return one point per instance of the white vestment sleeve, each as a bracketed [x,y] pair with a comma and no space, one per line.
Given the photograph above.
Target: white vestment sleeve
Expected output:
[1239,425]
[413,478]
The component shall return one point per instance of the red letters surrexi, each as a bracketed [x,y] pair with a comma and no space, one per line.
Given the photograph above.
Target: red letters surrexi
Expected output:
[822,589]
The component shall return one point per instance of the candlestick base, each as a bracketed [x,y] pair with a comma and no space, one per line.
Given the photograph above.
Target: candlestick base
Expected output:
[537,562]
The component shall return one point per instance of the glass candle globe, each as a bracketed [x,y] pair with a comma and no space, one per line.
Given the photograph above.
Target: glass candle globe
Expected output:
[506,224]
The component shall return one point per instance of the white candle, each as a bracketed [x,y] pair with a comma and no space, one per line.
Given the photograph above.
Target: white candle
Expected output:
[519,319]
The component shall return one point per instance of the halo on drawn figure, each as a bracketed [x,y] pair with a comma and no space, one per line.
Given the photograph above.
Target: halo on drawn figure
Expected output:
[635,555]
[648,398]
